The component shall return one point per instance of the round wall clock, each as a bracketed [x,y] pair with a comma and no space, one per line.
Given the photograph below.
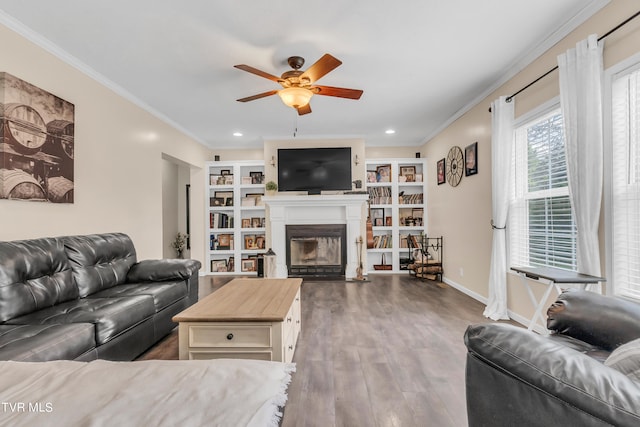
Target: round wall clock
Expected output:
[455,166]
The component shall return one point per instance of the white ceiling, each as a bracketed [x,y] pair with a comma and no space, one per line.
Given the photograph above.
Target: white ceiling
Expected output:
[419,62]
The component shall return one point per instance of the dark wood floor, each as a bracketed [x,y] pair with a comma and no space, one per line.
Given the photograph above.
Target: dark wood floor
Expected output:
[388,352]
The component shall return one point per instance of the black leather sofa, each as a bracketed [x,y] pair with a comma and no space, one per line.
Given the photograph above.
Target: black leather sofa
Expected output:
[87,297]
[519,378]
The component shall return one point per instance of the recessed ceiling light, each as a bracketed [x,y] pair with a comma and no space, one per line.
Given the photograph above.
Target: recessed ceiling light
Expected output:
[237,134]
[389,131]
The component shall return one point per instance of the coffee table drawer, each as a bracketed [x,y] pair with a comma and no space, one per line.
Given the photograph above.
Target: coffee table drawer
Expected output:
[253,355]
[229,335]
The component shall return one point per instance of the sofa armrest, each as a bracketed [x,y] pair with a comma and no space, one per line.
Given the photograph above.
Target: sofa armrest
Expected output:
[510,363]
[603,321]
[158,270]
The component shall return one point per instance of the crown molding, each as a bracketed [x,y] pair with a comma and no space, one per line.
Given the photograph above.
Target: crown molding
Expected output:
[46,44]
[525,60]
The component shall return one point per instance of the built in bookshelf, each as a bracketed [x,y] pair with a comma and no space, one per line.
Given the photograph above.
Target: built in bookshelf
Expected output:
[235,216]
[397,197]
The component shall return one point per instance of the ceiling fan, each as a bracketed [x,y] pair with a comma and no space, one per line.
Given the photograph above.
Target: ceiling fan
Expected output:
[297,85]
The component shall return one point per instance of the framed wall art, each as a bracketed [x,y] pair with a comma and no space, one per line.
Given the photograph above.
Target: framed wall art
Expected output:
[440,167]
[248,264]
[218,265]
[36,143]
[408,172]
[383,173]
[216,201]
[377,216]
[471,159]
[225,196]
[256,177]
[250,242]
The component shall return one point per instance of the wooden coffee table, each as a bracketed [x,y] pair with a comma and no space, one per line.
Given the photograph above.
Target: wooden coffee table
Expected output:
[246,319]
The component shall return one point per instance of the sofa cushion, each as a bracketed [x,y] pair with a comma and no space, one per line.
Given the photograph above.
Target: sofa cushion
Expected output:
[34,274]
[111,316]
[99,261]
[40,343]
[164,294]
[626,359]
[155,270]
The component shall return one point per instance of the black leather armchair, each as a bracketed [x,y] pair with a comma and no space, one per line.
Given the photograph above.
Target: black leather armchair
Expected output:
[516,377]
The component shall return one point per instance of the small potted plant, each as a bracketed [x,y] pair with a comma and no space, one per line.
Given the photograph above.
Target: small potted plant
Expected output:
[179,244]
[271,187]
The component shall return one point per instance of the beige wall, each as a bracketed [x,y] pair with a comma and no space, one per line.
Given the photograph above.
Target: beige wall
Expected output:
[118,160]
[462,214]
[245,154]
[391,152]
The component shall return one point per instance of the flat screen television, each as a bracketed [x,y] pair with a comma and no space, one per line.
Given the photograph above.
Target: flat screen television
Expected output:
[314,169]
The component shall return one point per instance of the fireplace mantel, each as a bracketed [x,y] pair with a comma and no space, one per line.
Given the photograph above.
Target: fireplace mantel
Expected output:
[316,209]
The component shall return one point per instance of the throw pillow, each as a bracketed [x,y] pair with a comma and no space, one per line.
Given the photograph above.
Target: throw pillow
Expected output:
[626,359]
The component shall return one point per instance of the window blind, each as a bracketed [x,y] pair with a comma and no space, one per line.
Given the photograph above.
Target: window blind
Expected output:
[542,231]
[625,111]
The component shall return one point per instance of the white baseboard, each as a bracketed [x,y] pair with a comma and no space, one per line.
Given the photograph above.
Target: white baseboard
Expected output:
[476,296]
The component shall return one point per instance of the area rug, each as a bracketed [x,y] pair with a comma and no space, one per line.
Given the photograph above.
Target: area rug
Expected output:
[221,392]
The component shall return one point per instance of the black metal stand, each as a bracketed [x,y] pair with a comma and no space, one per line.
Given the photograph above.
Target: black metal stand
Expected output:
[426,261]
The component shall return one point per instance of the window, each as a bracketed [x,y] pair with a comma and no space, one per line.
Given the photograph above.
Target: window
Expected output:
[542,230]
[625,183]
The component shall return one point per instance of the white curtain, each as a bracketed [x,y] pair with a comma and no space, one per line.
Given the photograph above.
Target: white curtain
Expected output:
[501,148]
[581,75]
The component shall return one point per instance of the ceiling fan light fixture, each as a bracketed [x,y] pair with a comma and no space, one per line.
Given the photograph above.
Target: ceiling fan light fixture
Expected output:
[295,97]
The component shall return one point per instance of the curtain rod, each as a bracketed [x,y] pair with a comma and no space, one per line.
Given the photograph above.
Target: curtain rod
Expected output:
[608,33]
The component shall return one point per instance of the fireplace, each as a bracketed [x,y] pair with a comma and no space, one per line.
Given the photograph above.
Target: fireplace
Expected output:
[318,250]
[328,210]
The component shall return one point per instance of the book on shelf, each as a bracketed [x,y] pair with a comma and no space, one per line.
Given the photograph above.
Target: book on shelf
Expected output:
[220,220]
[414,241]
[411,199]
[379,195]
[382,241]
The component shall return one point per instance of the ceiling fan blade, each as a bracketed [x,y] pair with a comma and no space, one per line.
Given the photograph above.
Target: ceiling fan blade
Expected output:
[338,91]
[306,109]
[258,96]
[257,72]
[321,67]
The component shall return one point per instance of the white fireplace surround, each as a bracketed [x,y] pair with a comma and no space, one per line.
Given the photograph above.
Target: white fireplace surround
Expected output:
[317,209]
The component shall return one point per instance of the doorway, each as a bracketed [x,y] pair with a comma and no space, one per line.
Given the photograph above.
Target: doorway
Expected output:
[176,183]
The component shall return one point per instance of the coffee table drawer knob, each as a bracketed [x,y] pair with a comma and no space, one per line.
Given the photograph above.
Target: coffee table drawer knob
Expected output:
[230,337]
